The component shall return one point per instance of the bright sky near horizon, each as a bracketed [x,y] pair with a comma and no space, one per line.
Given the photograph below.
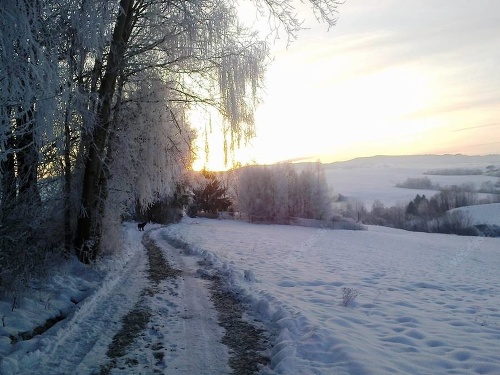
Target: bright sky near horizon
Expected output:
[392,77]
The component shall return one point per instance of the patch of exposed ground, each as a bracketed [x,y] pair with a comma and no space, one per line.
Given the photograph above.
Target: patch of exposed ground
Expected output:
[133,324]
[28,335]
[159,269]
[246,342]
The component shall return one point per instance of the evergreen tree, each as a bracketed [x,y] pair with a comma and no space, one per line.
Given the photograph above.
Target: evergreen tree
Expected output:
[212,197]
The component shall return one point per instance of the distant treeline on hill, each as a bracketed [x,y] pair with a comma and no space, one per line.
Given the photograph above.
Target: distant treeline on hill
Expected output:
[434,215]
[490,170]
[424,183]
[455,172]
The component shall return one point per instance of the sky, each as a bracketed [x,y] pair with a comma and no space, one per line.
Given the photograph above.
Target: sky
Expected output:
[393,77]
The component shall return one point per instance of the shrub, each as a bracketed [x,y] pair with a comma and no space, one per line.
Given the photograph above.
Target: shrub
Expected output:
[192,210]
[212,197]
[26,245]
[348,296]
[423,183]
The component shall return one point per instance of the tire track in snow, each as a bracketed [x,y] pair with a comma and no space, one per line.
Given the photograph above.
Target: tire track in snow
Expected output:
[134,329]
[182,335]
[246,341]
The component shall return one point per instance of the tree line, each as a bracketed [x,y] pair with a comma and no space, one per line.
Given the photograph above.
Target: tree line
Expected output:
[270,194]
[435,214]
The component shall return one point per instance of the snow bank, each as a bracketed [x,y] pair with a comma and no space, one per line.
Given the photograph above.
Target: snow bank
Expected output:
[75,291]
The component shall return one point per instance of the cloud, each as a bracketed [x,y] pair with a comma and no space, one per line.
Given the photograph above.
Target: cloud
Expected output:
[451,106]
[395,65]
[448,32]
[483,126]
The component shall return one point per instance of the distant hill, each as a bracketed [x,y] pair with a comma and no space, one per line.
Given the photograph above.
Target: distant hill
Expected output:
[483,213]
[423,161]
[367,179]
[373,178]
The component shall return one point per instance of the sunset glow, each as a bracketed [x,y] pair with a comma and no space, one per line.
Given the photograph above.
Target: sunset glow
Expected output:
[378,84]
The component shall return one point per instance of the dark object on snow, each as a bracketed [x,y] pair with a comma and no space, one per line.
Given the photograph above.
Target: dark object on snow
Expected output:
[141,226]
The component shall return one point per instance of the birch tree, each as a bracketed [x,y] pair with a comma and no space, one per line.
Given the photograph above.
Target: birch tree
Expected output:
[278,193]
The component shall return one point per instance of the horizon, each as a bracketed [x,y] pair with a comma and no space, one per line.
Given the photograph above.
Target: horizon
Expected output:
[312,160]
[389,78]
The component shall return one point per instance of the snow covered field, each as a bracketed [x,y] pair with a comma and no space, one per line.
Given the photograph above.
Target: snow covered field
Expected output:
[375,178]
[483,213]
[426,304]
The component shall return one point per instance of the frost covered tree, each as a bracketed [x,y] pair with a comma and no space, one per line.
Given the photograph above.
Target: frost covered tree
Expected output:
[314,196]
[28,79]
[200,46]
[48,47]
[194,50]
[150,151]
[88,86]
[278,193]
[28,87]
[256,193]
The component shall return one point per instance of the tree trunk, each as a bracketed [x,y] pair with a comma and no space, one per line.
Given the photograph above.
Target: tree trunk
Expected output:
[67,179]
[88,221]
[7,170]
[27,157]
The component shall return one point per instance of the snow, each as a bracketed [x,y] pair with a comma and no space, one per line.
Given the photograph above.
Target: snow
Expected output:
[187,322]
[375,178]
[426,303]
[483,213]
[183,325]
[80,341]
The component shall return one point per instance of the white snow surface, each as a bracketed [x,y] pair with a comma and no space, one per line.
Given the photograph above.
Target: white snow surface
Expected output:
[182,336]
[76,344]
[374,178]
[426,304]
[483,213]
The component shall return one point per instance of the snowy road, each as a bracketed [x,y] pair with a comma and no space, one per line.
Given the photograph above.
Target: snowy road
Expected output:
[182,335]
[146,317]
